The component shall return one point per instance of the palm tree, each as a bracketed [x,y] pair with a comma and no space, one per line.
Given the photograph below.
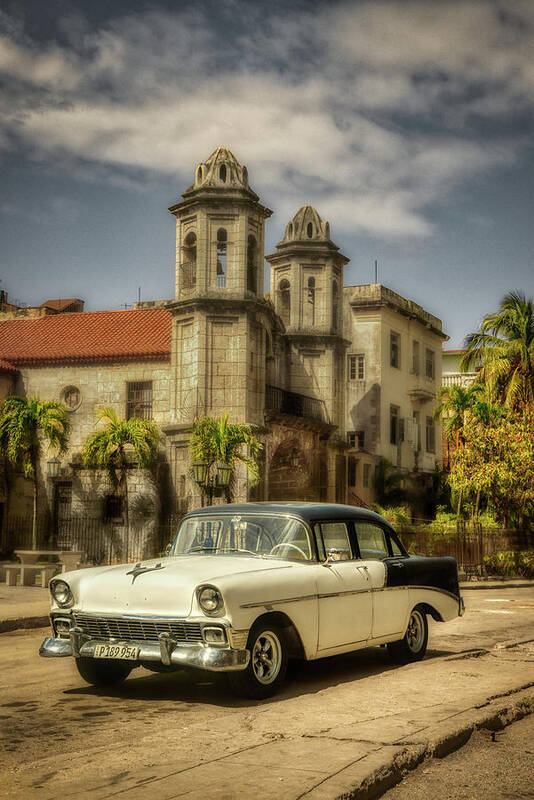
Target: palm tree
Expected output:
[24,426]
[454,401]
[388,484]
[218,440]
[112,448]
[505,345]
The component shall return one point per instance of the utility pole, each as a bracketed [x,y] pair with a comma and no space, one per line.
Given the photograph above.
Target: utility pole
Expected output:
[376,271]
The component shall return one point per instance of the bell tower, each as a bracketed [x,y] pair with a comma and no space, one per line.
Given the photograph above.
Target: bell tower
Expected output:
[221,317]
[219,232]
[307,291]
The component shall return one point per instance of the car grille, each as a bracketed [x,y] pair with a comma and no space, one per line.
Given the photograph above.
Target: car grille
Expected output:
[138,629]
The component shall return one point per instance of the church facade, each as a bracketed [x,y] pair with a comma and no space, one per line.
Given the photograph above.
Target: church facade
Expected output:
[331,377]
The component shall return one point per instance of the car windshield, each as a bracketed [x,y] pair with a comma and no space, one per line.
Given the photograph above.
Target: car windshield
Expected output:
[273,536]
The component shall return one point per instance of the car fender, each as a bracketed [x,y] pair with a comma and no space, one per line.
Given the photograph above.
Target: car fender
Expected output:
[285,588]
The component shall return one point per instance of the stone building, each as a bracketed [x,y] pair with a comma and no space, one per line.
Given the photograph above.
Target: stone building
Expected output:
[392,377]
[308,364]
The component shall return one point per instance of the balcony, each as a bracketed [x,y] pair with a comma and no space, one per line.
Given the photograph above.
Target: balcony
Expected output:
[464,379]
[296,405]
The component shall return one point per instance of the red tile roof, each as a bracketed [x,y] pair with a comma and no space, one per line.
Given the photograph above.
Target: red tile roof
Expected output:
[87,336]
[5,366]
[60,305]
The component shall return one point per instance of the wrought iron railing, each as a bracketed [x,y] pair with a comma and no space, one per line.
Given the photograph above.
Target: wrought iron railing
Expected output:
[297,405]
[188,276]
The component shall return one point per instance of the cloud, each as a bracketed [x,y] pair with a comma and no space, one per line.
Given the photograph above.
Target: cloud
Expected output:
[372,111]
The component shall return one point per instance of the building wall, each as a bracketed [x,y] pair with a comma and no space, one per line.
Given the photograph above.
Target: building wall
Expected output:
[451,374]
[371,314]
[99,385]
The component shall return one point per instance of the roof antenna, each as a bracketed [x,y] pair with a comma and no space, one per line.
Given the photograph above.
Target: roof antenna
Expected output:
[376,271]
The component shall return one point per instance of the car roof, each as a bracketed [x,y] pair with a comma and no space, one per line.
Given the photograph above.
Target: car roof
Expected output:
[307,511]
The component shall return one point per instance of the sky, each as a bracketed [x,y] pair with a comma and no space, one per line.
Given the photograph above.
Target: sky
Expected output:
[407,124]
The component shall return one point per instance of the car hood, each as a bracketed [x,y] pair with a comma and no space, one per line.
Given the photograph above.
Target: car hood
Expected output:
[164,586]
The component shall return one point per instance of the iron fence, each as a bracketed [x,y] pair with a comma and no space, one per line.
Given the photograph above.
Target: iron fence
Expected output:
[102,542]
[469,545]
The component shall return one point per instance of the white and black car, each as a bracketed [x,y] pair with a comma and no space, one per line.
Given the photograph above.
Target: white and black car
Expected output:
[246,587]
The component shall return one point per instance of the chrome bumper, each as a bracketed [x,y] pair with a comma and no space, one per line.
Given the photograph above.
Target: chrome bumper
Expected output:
[216,659]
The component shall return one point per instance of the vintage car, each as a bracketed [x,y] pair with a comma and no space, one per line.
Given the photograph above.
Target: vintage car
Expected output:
[244,588]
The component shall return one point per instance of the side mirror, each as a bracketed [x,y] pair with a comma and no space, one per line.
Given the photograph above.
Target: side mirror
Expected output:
[168,548]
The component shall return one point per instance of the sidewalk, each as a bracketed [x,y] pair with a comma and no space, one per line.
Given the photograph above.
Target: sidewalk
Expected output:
[23,607]
[29,606]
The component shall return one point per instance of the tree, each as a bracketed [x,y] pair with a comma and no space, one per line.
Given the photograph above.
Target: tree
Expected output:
[388,484]
[218,440]
[112,448]
[497,462]
[454,401]
[24,426]
[505,345]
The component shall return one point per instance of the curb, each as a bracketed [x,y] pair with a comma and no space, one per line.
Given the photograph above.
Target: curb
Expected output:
[372,776]
[7,625]
[478,585]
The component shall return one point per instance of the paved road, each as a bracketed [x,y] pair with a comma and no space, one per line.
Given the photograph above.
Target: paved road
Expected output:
[492,766]
[178,735]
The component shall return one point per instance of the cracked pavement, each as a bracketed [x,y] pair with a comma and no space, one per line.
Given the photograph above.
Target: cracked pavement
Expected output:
[340,723]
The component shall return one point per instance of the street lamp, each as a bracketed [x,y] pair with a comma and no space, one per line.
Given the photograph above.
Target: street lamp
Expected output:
[224,472]
[200,472]
[52,467]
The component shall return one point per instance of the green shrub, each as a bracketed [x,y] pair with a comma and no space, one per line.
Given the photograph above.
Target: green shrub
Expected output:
[507,563]
[396,515]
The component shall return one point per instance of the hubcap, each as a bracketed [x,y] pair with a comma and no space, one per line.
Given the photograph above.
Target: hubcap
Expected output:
[266,657]
[416,632]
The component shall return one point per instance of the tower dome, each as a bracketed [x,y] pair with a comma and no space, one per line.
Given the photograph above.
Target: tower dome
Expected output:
[221,170]
[306,226]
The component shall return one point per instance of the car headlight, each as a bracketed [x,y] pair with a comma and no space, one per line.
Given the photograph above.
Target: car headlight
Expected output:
[60,591]
[210,600]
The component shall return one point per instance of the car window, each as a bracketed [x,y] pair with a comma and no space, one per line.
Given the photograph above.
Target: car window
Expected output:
[275,536]
[336,541]
[371,540]
[395,549]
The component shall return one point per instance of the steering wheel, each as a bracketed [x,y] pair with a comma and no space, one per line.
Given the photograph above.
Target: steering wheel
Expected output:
[263,532]
[289,544]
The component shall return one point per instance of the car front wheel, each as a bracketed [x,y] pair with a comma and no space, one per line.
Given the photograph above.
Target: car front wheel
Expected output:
[267,666]
[412,647]
[103,672]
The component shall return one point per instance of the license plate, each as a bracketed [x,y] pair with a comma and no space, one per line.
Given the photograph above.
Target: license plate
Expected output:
[124,651]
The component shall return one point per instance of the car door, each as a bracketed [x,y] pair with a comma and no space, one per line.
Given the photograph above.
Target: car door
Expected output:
[390,595]
[343,587]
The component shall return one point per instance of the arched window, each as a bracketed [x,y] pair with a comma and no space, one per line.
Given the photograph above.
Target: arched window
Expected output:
[222,173]
[200,174]
[189,262]
[221,257]
[335,305]
[284,296]
[252,270]
[290,229]
[245,176]
[310,309]
[309,230]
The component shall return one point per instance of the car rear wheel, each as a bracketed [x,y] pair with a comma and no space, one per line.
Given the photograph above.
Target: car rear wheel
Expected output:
[103,672]
[412,647]
[267,666]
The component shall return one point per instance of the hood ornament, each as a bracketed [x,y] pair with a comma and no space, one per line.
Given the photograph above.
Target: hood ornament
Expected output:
[139,570]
